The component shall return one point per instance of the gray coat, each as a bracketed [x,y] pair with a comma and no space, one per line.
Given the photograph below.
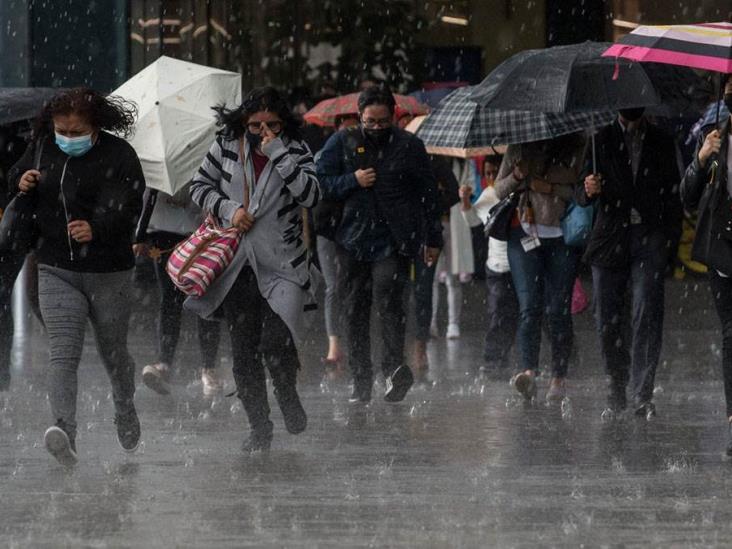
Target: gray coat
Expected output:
[273,247]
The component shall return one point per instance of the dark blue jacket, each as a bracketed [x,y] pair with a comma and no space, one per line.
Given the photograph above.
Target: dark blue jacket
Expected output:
[401,207]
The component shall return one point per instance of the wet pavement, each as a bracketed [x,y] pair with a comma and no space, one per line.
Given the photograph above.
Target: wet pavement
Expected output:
[457,464]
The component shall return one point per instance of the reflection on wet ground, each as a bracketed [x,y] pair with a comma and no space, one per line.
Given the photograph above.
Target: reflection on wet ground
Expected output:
[457,464]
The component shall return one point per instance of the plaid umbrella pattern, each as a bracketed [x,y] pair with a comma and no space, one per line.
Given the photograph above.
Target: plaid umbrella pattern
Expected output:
[326,112]
[460,124]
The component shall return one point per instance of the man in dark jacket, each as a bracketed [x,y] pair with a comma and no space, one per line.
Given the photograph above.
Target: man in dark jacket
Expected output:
[636,191]
[382,176]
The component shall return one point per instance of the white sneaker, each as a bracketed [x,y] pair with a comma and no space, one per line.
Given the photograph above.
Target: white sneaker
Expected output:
[453,331]
[59,445]
[211,382]
[156,376]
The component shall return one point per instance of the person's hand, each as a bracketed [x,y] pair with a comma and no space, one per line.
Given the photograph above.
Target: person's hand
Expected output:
[431,255]
[267,135]
[365,178]
[711,146]
[80,231]
[593,185]
[539,185]
[141,249]
[28,180]
[243,220]
[465,192]
[520,170]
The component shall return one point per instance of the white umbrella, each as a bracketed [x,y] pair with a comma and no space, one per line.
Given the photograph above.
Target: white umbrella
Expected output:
[176,125]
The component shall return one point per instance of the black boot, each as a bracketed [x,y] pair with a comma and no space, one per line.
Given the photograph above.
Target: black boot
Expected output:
[257,409]
[292,411]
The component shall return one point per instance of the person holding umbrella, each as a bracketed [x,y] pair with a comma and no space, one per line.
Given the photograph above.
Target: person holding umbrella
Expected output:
[707,187]
[541,263]
[165,221]
[88,186]
[390,216]
[634,186]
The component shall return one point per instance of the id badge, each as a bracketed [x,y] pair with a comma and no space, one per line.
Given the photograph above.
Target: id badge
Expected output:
[529,243]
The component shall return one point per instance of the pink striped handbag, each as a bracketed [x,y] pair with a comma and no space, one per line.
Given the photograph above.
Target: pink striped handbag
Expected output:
[197,261]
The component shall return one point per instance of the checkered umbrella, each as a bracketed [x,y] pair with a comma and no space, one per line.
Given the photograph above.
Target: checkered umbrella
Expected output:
[459,124]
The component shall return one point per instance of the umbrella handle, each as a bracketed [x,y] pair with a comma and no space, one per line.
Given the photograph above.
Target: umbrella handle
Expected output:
[720,98]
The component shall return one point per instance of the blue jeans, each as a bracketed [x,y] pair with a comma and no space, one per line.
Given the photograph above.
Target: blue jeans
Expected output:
[548,270]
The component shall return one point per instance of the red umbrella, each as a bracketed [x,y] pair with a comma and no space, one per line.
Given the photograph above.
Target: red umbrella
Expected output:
[325,112]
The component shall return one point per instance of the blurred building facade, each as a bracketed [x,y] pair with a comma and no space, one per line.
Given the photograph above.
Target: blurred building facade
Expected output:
[309,44]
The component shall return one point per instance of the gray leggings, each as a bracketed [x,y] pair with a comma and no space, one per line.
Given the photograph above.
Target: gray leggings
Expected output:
[67,300]
[331,271]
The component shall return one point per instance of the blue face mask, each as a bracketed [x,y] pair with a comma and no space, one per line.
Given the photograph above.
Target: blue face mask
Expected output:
[74,146]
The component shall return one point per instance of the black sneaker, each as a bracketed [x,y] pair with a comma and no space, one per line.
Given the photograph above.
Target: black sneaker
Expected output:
[729,442]
[257,442]
[361,392]
[294,414]
[128,431]
[398,384]
[60,445]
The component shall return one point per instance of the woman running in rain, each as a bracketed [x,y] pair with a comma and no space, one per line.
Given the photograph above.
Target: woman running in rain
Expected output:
[707,186]
[88,186]
[256,176]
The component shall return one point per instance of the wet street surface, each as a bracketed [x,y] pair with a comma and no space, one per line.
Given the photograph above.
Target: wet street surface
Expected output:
[457,464]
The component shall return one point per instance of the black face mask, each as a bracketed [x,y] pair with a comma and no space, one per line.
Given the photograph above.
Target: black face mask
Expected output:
[254,139]
[728,101]
[380,136]
[632,115]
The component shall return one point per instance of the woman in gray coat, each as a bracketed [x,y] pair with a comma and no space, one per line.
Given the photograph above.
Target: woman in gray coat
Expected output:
[256,177]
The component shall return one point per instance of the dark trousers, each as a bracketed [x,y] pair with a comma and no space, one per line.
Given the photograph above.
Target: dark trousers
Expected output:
[632,359]
[503,309]
[547,272]
[383,283]
[424,276]
[169,320]
[10,265]
[722,291]
[259,339]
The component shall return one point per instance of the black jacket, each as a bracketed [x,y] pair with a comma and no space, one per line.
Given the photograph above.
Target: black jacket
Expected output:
[654,194]
[404,197]
[103,187]
[713,238]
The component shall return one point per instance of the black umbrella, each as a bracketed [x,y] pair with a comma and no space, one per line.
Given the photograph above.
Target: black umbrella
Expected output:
[23,103]
[576,78]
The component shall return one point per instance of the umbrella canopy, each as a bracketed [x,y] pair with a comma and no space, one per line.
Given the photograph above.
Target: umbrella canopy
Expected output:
[706,46]
[23,103]
[326,112]
[176,124]
[577,78]
[461,125]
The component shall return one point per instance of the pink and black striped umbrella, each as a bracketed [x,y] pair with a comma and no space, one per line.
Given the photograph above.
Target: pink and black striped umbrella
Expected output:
[706,46]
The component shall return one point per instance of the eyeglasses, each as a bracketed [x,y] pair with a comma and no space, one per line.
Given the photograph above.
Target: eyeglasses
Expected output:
[374,122]
[256,127]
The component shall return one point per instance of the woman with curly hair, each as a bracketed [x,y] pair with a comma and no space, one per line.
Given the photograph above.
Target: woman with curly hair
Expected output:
[87,185]
[256,176]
